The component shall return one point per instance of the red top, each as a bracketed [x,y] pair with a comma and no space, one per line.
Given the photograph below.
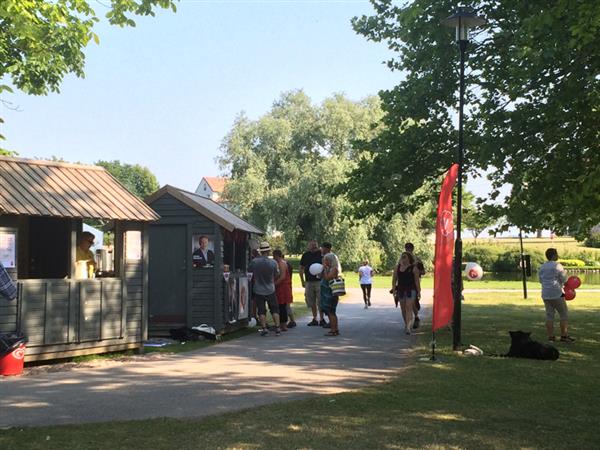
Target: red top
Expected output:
[283,288]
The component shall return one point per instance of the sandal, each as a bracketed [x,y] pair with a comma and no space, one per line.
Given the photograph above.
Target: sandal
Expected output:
[332,333]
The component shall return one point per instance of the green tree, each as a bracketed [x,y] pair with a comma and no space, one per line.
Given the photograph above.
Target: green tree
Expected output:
[137,179]
[476,217]
[41,41]
[287,166]
[533,96]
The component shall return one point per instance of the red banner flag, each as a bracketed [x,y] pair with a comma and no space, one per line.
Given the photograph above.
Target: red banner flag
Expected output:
[443,304]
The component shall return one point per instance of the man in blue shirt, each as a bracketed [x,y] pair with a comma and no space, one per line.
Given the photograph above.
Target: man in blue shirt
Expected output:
[8,288]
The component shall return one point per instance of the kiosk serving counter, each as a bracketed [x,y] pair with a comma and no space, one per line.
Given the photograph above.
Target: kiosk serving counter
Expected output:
[43,205]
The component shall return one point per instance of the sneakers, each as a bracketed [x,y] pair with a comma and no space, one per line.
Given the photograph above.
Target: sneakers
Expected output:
[263,331]
[277,331]
[325,324]
[416,323]
[291,324]
[313,323]
[369,302]
[566,339]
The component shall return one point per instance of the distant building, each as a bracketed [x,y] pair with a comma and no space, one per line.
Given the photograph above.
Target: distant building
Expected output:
[212,187]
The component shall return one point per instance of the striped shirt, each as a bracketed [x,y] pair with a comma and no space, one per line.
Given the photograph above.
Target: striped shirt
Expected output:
[8,288]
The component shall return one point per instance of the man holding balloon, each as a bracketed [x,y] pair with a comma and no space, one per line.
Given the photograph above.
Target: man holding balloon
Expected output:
[552,277]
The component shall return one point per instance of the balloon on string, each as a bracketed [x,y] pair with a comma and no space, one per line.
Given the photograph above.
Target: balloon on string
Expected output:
[570,294]
[573,282]
[315,269]
[473,271]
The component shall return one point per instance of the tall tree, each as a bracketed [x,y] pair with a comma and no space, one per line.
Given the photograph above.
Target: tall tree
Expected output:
[286,167]
[41,41]
[533,96]
[137,179]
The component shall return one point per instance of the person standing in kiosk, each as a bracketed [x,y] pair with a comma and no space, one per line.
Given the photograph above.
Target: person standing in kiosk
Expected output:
[84,258]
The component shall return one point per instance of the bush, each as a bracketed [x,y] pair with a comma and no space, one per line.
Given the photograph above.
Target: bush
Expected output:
[507,261]
[572,262]
[593,240]
[484,256]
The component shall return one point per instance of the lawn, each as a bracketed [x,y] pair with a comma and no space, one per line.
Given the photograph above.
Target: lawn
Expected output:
[457,402]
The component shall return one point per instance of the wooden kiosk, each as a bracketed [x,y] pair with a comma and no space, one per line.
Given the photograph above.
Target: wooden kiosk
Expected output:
[43,205]
[187,289]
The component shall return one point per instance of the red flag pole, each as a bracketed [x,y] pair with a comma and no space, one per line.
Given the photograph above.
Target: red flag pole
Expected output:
[443,301]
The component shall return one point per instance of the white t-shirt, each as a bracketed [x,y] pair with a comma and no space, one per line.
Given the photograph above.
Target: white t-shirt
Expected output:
[364,273]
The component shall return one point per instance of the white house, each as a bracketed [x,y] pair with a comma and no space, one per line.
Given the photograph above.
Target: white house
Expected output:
[211,187]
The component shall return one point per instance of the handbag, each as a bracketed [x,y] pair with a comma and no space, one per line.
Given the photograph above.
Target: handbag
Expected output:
[338,286]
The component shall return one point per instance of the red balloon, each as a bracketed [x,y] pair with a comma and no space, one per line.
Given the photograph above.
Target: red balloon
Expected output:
[573,283]
[570,294]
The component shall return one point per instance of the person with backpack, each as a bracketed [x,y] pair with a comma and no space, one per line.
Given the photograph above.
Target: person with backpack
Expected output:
[409,247]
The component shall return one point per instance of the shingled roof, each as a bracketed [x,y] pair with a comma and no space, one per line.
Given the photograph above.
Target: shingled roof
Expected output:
[57,189]
[208,208]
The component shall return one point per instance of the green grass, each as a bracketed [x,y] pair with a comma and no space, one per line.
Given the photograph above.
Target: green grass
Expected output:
[456,402]
[562,244]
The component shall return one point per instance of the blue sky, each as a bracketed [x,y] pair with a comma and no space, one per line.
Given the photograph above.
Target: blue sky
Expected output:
[164,94]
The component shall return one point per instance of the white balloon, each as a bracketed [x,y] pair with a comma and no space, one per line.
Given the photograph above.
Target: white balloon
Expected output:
[473,271]
[315,269]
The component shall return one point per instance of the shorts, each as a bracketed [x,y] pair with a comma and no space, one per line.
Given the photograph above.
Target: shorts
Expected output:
[403,296]
[331,306]
[263,300]
[556,304]
[312,293]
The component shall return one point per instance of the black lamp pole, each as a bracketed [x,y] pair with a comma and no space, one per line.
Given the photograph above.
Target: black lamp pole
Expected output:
[462,20]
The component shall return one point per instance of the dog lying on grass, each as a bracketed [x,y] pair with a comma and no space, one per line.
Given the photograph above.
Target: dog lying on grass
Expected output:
[522,346]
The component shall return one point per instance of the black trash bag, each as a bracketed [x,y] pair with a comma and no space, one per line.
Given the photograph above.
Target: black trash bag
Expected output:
[185,334]
[10,341]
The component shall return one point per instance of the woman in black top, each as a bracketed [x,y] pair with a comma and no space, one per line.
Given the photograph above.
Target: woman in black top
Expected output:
[405,285]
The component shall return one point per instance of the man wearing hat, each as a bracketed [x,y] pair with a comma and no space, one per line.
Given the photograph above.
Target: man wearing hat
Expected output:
[265,271]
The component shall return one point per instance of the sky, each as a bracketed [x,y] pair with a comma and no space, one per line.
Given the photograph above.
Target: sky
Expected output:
[165,93]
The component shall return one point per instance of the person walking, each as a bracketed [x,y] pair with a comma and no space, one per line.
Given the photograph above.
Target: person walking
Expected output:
[409,247]
[265,271]
[331,269]
[405,285]
[311,283]
[365,278]
[283,288]
[553,276]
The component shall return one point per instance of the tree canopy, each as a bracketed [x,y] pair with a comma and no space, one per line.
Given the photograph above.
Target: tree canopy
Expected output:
[137,179]
[41,41]
[533,105]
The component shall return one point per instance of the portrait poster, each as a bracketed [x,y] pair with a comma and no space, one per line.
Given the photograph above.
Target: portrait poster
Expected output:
[244,299]
[203,251]
[232,299]
[8,249]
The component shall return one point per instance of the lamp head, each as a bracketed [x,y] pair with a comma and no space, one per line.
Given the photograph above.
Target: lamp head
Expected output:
[462,20]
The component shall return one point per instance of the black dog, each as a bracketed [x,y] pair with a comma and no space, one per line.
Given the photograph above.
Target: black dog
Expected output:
[522,346]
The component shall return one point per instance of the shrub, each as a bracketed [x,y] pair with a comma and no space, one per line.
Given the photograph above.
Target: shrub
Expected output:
[484,256]
[572,262]
[593,240]
[507,261]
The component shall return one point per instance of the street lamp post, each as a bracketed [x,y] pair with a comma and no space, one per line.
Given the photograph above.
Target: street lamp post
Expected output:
[462,20]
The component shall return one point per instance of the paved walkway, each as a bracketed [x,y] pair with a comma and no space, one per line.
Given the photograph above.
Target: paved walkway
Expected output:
[244,373]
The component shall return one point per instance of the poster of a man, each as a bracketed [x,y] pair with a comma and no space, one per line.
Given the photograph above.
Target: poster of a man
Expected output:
[203,254]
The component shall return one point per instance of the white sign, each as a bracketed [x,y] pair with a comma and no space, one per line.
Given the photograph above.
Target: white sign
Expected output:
[8,253]
[133,245]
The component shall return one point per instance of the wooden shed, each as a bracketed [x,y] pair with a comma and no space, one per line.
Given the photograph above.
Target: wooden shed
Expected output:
[188,288]
[43,205]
